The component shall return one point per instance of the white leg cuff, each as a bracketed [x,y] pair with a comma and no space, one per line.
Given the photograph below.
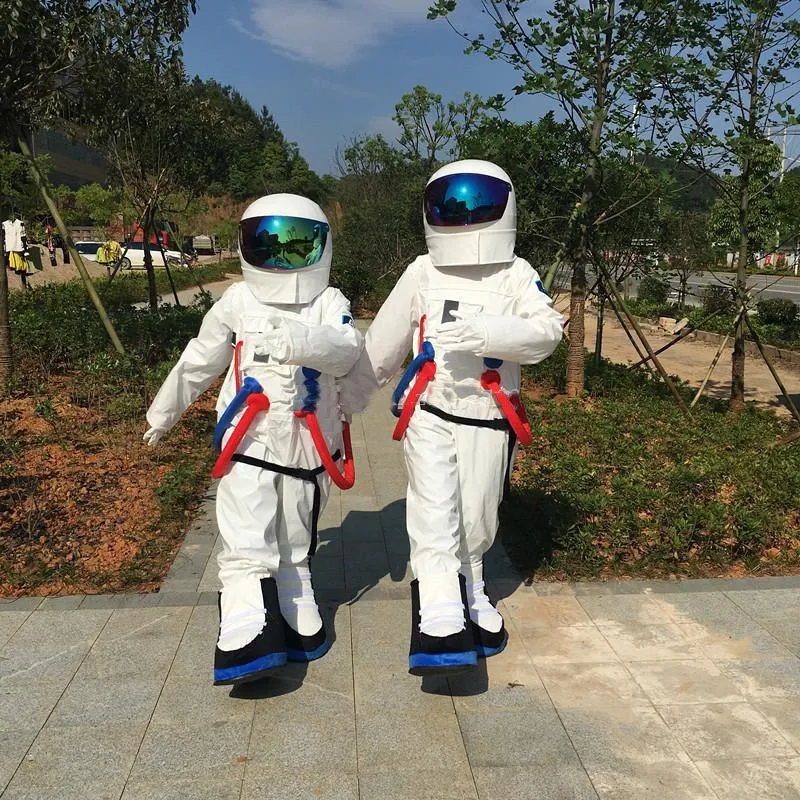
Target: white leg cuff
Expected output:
[242,615]
[441,608]
[296,596]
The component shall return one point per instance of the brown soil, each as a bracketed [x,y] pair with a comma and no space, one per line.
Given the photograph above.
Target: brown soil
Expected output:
[79,508]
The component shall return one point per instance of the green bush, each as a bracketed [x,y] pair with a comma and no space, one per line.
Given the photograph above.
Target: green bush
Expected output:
[717,298]
[55,328]
[653,290]
[777,311]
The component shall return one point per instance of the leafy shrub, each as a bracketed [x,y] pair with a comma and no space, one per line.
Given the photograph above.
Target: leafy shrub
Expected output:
[777,311]
[653,290]
[717,298]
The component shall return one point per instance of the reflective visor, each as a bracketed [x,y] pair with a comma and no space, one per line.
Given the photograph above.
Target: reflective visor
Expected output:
[282,243]
[465,199]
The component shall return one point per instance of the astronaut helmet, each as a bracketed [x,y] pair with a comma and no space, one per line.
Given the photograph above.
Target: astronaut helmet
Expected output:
[286,249]
[470,212]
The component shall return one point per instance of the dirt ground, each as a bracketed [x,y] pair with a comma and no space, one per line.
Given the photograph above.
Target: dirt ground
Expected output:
[690,360]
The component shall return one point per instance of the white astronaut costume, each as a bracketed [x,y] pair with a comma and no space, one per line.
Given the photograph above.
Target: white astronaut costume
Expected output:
[478,312]
[287,330]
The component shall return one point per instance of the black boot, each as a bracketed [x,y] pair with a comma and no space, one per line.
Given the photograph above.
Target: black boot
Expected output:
[260,656]
[305,648]
[440,655]
[488,643]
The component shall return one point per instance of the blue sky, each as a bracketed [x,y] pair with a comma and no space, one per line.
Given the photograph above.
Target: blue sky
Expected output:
[330,69]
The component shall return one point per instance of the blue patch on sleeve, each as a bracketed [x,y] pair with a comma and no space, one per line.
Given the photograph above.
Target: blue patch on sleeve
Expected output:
[540,287]
[347,320]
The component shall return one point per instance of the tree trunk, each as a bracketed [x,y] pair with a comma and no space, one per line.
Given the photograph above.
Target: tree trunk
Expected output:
[736,402]
[576,363]
[152,290]
[41,184]
[6,360]
[598,339]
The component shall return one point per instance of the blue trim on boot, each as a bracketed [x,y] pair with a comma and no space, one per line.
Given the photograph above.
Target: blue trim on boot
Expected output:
[485,652]
[313,655]
[467,659]
[242,671]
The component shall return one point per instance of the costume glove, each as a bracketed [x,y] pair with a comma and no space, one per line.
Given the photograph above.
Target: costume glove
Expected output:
[152,436]
[467,334]
[271,342]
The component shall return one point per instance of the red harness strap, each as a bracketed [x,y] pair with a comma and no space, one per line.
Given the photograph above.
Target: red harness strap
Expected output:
[512,407]
[425,375]
[256,403]
[237,372]
[346,478]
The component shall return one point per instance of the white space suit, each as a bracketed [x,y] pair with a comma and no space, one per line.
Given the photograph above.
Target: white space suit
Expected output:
[285,331]
[479,312]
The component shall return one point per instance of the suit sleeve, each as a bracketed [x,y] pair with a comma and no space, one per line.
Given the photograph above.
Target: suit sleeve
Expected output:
[532,333]
[388,342]
[332,347]
[204,359]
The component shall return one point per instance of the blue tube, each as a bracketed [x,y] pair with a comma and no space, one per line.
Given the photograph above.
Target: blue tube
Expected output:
[249,386]
[311,383]
[426,354]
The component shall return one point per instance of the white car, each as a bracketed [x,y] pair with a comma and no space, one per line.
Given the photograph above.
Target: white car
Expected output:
[134,257]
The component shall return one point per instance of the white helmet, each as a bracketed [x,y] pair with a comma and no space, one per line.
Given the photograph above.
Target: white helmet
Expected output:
[286,248]
[470,212]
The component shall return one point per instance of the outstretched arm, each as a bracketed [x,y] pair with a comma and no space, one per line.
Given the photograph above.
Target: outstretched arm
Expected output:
[388,342]
[331,347]
[204,358]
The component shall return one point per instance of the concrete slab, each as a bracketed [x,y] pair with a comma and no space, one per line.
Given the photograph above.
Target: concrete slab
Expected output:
[765,779]
[722,731]
[556,781]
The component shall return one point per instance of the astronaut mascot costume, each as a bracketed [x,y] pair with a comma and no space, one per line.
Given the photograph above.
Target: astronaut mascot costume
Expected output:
[284,336]
[472,312]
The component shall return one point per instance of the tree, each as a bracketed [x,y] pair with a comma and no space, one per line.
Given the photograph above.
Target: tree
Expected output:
[598,60]
[376,216]
[542,160]
[724,224]
[99,204]
[430,128]
[60,60]
[749,62]
[685,241]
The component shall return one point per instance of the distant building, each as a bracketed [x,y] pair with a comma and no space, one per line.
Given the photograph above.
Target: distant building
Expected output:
[71,164]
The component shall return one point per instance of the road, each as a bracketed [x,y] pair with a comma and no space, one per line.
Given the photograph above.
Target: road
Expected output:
[763,286]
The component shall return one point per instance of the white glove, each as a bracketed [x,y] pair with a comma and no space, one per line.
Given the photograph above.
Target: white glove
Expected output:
[152,436]
[269,342]
[466,335]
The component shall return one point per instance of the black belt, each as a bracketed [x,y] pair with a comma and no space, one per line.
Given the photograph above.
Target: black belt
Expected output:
[308,475]
[501,424]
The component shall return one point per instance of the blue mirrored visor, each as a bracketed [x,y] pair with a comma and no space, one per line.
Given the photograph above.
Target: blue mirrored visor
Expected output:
[282,243]
[466,199]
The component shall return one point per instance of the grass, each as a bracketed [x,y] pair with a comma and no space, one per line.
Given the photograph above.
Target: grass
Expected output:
[620,484]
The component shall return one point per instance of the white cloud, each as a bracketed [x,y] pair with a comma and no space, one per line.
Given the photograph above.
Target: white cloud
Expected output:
[329,33]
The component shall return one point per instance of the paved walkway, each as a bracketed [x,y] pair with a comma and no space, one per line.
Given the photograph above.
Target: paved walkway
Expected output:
[676,690]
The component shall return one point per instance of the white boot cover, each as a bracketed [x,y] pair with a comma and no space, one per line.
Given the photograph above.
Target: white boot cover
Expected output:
[296,597]
[481,611]
[242,614]
[441,609]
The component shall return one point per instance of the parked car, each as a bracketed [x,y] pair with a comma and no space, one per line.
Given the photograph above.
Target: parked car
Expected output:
[134,257]
[89,252]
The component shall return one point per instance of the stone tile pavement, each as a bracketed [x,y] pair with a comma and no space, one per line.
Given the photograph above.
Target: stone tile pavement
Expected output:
[625,691]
